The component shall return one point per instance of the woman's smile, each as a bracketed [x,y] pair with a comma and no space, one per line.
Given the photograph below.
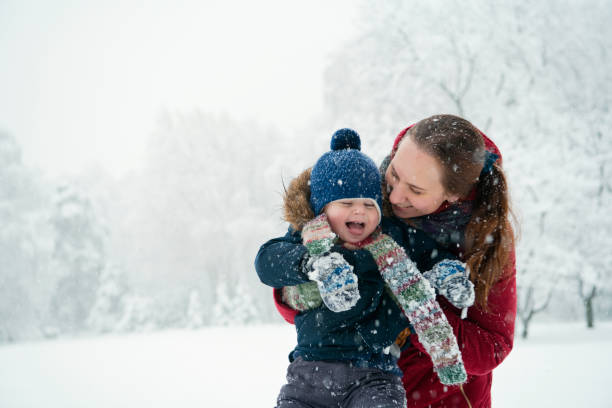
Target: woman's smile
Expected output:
[401,208]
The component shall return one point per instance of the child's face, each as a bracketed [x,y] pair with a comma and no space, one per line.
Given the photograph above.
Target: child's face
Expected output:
[353,220]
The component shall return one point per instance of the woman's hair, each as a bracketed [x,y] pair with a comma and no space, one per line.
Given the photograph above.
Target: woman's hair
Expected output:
[489,238]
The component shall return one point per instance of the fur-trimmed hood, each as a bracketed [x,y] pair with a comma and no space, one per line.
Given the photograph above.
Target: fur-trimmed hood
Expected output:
[296,201]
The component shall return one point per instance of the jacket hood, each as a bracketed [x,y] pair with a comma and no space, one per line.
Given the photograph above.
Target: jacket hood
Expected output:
[387,209]
[296,201]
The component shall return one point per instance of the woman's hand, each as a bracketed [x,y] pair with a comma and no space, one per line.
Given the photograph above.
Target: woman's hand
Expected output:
[451,279]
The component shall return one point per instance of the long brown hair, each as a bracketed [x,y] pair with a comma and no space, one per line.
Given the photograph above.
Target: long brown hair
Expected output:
[489,238]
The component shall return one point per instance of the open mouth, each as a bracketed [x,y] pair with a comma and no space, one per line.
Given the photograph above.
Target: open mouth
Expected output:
[355,227]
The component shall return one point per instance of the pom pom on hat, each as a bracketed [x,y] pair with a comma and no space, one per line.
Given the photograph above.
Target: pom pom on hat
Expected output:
[344,172]
[345,139]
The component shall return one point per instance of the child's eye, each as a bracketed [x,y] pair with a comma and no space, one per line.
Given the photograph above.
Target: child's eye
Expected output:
[369,205]
[346,203]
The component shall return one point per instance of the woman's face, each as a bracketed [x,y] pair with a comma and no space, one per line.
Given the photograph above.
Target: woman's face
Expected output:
[414,179]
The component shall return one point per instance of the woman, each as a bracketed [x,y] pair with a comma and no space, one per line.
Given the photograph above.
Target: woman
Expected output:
[444,177]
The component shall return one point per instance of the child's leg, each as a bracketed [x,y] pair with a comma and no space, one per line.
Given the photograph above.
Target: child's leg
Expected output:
[377,389]
[310,384]
[323,384]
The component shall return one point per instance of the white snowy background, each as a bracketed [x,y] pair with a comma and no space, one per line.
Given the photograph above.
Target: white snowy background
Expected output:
[144,147]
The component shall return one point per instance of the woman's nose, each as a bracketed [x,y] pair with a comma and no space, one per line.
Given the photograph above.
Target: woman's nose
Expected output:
[393,195]
[396,196]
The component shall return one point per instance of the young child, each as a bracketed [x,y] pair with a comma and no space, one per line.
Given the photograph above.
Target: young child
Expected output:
[342,357]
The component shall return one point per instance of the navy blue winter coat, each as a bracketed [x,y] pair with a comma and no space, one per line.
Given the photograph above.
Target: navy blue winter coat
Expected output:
[362,333]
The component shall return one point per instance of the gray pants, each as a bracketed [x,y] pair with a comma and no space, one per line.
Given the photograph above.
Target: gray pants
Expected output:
[321,384]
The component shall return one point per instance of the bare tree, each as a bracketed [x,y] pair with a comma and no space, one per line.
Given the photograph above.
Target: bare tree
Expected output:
[587,293]
[530,305]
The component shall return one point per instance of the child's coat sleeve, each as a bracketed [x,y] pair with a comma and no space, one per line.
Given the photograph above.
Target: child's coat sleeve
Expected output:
[278,261]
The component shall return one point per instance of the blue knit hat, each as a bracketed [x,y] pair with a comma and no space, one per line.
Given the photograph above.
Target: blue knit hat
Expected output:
[344,172]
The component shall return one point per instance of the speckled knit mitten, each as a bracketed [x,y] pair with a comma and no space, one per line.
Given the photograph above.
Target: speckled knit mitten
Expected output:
[317,236]
[334,276]
[451,279]
[302,297]
[418,300]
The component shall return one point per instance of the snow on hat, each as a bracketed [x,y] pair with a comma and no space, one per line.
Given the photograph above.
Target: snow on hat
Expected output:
[343,173]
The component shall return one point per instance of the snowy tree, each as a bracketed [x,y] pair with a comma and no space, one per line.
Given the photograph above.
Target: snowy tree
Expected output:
[246,310]
[587,291]
[79,255]
[196,214]
[234,305]
[505,66]
[535,289]
[195,311]
[25,246]
[110,305]
[588,234]
[138,314]
[223,305]
[530,305]
[535,77]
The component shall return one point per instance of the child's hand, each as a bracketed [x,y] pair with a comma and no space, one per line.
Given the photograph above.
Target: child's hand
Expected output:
[336,281]
[318,236]
[451,279]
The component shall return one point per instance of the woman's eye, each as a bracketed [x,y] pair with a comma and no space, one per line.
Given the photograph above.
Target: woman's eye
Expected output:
[417,192]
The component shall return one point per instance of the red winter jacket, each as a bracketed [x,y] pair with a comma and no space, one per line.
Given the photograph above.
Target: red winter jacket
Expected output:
[485,339]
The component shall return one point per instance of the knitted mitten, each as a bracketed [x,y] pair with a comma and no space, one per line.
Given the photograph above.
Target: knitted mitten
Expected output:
[302,297]
[418,300]
[334,276]
[451,279]
[318,236]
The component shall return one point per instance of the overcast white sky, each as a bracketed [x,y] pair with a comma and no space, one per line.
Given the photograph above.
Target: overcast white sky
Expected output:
[82,82]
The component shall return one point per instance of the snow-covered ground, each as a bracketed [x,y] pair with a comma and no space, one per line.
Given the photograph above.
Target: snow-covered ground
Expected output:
[561,365]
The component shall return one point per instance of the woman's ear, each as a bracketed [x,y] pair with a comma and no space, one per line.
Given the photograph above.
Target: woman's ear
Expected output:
[452,198]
